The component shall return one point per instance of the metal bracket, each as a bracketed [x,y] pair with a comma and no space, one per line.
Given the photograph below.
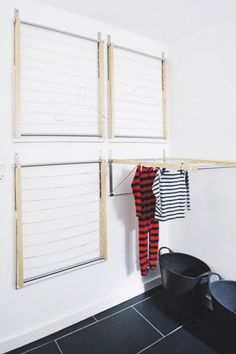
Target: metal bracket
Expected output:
[16,14]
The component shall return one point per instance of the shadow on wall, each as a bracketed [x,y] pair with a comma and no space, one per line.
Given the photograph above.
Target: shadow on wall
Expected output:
[208,232]
[125,210]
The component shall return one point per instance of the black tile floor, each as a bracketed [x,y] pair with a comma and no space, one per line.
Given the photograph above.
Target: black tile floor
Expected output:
[139,325]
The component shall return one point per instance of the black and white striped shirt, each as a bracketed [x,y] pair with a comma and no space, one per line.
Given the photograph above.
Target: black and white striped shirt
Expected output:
[171,189]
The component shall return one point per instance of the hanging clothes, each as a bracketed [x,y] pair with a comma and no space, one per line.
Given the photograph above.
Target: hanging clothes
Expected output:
[171,189]
[145,208]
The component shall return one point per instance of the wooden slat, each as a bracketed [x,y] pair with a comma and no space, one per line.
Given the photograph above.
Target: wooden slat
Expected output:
[101,105]
[111,90]
[17,77]
[19,230]
[200,161]
[164,99]
[103,210]
[174,165]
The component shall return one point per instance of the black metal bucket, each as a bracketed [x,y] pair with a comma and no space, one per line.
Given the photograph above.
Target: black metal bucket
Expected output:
[182,278]
[223,295]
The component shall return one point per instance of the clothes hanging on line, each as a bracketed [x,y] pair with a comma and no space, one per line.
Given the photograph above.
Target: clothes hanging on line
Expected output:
[145,209]
[171,189]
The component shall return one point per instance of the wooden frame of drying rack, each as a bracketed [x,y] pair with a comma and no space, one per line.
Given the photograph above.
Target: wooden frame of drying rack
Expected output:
[173,163]
[20,281]
[18,79]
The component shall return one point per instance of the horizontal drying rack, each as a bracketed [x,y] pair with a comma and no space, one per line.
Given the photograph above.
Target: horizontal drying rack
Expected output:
[173,163]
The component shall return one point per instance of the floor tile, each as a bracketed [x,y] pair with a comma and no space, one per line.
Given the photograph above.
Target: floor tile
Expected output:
[50,348]
[155,311]
[128,303]
[53,336]
[126,332]
[192,338]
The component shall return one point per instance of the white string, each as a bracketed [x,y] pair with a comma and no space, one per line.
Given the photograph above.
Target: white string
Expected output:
[60,218]
[76,115]
[63,123]
[152,129]
[64,197]
[134,58]
[55,92]
[63,53]
[61,206]
[59,42]
[62,228]
[61,251]
[62,175]
[77,104]
[50,62]
[65,260]
[61,187]
[137,120]
[63,239]
[124,100]
[58,83]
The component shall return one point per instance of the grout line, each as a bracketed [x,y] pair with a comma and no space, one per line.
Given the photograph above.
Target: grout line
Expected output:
[146,298]
[113,314]
[161,339]
[38,346]
[96,321]
[76,330]
[148,321]
[58,346]
[125,308]
[149,346]
[104,318]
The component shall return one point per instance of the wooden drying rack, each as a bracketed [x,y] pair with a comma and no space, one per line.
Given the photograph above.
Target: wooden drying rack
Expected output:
[172,163]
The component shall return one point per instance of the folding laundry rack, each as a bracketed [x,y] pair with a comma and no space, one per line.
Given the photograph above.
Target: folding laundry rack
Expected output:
[174,163]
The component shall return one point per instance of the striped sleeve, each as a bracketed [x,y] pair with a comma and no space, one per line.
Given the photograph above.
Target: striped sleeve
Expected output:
[188,192]
[157,194]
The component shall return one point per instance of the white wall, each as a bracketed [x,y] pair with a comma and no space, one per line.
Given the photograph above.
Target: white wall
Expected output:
[202,81]
[51,304]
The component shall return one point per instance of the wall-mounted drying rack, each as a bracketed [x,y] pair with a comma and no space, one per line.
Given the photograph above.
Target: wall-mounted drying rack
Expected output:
[60,217]
[174,163]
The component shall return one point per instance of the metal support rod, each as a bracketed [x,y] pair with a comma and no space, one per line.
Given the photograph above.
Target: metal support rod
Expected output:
[137,137]
[137,52]
[65,269]
[62,135]
[59,31]
[110,178]
[58,163]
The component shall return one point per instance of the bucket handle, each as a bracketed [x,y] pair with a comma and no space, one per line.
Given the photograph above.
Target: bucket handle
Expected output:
[213,273]
[170,251]
[204,275]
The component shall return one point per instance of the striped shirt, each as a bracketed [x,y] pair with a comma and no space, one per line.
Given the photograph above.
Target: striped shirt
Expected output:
[171,189]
